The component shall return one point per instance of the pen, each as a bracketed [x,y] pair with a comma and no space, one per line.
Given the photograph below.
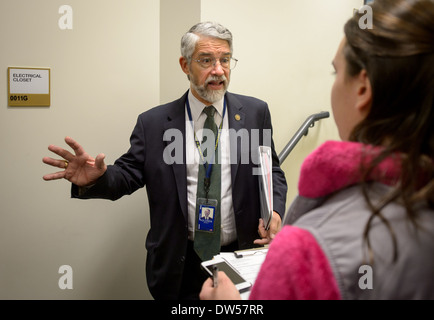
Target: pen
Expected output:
[215,271]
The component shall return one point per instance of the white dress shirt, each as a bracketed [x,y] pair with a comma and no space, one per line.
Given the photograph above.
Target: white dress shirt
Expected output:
[228,230]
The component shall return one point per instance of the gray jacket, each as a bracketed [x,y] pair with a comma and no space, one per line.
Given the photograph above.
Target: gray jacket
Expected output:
[338,222]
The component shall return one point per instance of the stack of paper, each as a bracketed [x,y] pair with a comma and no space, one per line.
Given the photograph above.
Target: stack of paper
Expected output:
[265,184]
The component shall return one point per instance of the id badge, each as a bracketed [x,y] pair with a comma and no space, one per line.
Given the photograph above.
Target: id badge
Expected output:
[206,214]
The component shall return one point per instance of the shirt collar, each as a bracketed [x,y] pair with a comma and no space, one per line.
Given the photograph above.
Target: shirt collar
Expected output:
[197,107]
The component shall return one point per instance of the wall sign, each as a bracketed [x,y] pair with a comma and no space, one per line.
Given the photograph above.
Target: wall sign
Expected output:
[28,86]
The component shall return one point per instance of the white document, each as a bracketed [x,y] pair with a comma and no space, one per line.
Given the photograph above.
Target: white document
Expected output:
[265,184]
[248,265]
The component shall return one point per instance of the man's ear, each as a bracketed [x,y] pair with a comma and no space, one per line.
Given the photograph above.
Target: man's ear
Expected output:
[184,65]
[364,93]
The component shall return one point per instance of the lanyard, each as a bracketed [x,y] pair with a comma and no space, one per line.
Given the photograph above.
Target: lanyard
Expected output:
[207,166]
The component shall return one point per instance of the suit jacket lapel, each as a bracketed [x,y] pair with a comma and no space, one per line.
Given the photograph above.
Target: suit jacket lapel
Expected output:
[176,120]
[236,122]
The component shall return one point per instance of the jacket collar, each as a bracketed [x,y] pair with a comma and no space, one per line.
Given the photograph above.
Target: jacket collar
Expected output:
[336,165]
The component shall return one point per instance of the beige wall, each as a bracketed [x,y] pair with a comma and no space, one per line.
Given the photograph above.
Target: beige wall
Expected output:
[285,49]
[120,59]
[176,17]
[104,72]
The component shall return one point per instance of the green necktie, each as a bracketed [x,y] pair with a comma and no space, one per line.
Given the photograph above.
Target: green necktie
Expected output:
[207,244]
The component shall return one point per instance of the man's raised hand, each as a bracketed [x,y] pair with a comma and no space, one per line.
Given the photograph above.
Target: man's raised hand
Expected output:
[80,169]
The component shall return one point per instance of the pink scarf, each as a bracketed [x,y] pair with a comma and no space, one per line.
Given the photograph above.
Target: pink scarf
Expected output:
[336,164]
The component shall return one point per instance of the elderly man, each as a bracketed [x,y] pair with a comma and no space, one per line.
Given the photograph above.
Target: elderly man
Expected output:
[210,173]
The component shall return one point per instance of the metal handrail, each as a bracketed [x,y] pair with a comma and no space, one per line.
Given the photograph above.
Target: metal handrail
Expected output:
[304,129]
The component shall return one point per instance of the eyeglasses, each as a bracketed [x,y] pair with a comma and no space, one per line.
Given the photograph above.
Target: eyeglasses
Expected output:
[226,62]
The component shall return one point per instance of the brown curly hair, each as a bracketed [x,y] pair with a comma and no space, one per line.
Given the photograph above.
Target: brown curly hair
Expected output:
[398,56]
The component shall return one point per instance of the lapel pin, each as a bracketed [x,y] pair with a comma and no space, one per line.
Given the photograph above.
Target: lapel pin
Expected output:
[237,117]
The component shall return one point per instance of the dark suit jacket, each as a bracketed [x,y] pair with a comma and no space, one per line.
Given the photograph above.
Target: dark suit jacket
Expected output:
[166,186]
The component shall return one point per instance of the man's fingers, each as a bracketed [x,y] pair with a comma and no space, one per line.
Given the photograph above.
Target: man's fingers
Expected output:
[275,225]
[262,233]
[48,160]
[99,161]
[261,229]
[78,149]
[261,241]
[55,162]
[54,176]
[65,154]
[273,229]
[61,152]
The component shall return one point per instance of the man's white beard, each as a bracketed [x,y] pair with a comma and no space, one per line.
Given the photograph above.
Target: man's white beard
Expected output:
[208,94]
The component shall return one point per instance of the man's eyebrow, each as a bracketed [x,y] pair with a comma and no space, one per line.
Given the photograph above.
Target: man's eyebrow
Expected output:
[201,54]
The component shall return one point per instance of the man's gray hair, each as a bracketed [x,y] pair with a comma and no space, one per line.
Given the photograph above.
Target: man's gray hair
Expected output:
[204,29]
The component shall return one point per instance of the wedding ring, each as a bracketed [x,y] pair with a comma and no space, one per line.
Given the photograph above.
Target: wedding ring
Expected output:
[66,163]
